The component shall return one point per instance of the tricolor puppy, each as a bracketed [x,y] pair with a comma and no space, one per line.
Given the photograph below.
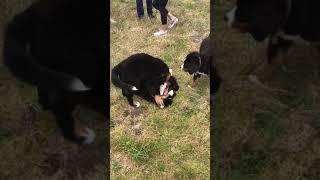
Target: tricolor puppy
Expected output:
[168,91]
[145,76]
[58,46]
[201,63]
[279,21]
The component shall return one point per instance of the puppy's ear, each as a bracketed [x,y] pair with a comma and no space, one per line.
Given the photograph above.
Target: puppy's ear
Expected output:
[173,83]
[268,18]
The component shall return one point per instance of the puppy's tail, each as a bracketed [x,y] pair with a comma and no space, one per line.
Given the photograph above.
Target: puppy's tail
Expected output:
[117,81]
[18,58]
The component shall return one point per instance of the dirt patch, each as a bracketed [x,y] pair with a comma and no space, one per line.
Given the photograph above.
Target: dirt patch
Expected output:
[72,162]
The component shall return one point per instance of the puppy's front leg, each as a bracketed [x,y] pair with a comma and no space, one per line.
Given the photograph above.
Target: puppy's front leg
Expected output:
[194,82]
[159,100]
[276,55]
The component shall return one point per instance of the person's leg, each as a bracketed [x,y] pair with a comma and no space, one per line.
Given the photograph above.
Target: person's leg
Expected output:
[163,11]
[173,20]
[170,16]
[161,6]
[149,8]
[140,10]
[155,4]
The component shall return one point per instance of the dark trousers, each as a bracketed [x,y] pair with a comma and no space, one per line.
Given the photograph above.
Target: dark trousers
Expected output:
[161,6]
[140,10]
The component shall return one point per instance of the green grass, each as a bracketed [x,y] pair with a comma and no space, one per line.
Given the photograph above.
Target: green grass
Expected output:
[149,142]
[267,134]
[140,152]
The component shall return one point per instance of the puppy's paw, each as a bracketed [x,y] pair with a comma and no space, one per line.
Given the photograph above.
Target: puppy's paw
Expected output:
[89,136]
[133,88]
[159,101]
[136,104]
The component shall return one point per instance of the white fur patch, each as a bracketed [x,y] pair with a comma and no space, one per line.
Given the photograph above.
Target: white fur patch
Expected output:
[134,88]
[231,15]
[90,136]
[171,93]
[161,106]
[181,66]
[201,73]
[294,38]
[78,85]
[163,88]
[136,103]
[170,71]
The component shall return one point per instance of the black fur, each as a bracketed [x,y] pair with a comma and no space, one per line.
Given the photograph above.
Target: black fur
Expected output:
[197,63]
[146,74]
[173,86]
[52,45]
[266,18]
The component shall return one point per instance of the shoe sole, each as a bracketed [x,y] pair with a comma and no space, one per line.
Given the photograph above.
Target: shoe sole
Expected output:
[160,35]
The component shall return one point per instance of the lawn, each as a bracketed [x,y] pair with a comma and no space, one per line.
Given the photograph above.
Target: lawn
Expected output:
[265,133]
[31,144]
[149,142]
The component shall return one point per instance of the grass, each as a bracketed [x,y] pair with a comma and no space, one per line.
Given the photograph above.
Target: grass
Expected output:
[31,145]
[267,134]
[149,142]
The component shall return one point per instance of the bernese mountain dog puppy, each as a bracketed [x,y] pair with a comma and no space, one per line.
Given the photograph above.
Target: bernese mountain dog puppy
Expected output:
[201,63]
[145,76]
[60,47]
[281,22]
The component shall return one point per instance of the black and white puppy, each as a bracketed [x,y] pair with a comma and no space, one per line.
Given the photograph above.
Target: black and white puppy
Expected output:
[146,76]
[59,46]
[201,63]
[279,21]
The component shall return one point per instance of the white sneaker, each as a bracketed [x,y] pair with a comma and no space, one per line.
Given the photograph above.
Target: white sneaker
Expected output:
[161,33]
[173,22]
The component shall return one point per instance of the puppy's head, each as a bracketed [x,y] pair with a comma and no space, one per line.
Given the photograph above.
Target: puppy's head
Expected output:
[173,84]
[168,86]
[260,18]
[173,87]
[192,63]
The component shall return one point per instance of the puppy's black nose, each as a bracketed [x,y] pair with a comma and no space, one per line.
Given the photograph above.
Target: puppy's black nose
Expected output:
[225,18]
